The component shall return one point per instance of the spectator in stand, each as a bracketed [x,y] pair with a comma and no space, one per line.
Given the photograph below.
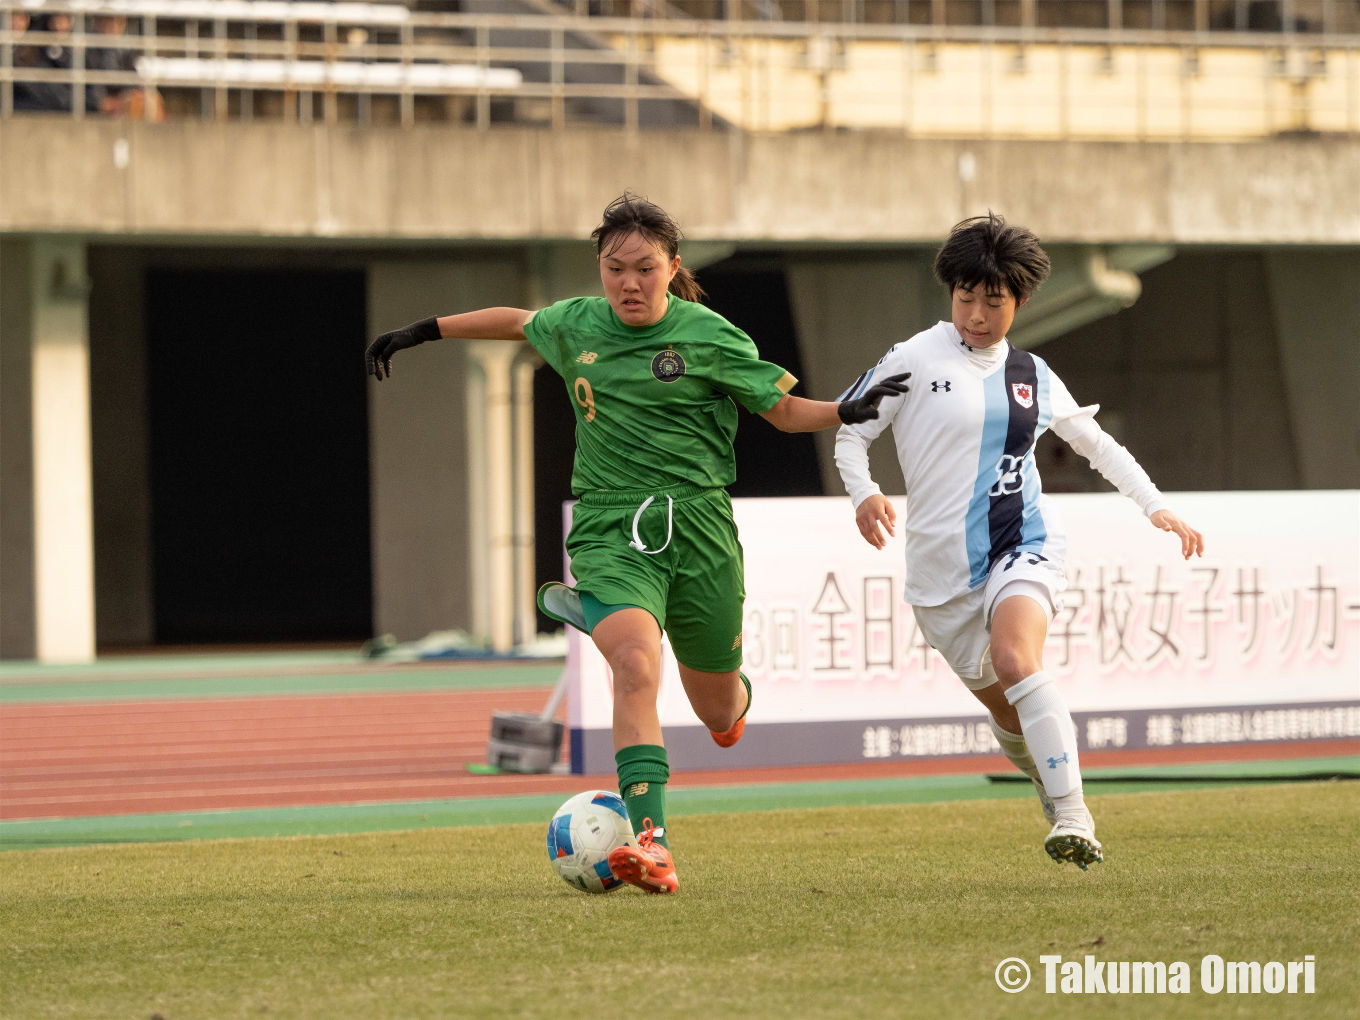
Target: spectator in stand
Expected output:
[111,100]
[24,57]
[42,95]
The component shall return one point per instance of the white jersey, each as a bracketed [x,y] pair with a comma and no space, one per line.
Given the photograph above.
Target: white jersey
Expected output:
[965,436]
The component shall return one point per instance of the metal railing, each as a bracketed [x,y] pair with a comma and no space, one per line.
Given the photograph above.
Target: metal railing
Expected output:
[382,63]
[1190,15]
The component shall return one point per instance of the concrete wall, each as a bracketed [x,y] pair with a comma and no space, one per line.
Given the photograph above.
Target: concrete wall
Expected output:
[18,622]
[121,447]
[419,444]
[46,528]
[1317,320]
[950,87]
[278,180]
[1235,370]
[849,311]
[63,524]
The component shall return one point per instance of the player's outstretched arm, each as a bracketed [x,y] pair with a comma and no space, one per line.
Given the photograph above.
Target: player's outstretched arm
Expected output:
[1119,468]
[1192,542]
[798,414]
[483,324]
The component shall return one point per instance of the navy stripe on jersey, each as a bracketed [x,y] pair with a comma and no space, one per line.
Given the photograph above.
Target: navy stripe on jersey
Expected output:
[860,385]
[864,377]
[1006,513]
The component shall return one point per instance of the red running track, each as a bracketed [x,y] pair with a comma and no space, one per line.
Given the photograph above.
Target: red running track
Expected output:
[132,757]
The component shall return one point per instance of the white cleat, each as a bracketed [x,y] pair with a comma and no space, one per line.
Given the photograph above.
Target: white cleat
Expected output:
[1074,839]
[1050,813]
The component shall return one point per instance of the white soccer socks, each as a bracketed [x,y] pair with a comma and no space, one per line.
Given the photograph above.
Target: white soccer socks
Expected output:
[1013,746]
[1049,736]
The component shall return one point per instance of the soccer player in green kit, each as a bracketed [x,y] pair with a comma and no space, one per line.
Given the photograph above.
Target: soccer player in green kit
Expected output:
[653,375]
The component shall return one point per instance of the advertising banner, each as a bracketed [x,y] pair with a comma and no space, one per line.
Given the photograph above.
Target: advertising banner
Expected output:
[1257,641]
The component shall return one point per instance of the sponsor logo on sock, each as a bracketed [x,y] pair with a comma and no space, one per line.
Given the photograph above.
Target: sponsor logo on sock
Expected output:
[1053,763]
[637,789]
[1091,976]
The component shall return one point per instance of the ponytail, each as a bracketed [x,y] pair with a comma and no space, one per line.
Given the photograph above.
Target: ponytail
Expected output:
[685,286]
[629,214]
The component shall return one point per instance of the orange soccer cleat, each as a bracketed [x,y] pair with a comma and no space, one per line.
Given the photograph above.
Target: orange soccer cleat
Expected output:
[647,865]
[730,736]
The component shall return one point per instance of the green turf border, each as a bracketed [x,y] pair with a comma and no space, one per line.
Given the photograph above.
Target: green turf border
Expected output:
[392,680]
[178,662]
[428,814]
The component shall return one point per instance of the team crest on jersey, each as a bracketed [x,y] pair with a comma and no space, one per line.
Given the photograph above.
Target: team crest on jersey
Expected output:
[668,366]
[1024,394]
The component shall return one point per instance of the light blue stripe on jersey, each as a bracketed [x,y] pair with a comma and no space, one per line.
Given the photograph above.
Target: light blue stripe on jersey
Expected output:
[1044,396]
[868,381]
[995,424]
[1033,533]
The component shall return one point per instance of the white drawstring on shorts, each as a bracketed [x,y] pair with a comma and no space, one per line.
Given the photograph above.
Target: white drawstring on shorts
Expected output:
[637,542]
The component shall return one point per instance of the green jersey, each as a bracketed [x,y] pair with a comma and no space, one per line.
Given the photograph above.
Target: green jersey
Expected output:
[654,403]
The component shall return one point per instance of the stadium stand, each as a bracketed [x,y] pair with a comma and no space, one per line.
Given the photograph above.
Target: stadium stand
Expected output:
[1108,69]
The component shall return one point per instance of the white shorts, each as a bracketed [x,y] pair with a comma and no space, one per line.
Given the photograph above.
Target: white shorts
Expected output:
[961,629]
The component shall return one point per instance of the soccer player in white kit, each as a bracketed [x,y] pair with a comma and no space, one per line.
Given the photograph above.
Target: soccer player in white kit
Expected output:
[984,546]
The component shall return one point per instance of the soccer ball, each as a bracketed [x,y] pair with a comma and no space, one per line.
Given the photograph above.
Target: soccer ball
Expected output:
[581,835]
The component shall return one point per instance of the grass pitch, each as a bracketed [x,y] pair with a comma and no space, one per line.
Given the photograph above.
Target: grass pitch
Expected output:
[864,912]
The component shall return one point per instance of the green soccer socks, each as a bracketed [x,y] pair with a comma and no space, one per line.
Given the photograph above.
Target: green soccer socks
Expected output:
[643,772]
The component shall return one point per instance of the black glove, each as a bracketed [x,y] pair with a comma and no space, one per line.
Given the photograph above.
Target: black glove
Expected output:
[865,408]
[380,351]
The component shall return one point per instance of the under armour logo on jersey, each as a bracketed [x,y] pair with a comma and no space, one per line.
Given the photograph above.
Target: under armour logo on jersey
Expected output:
[1008,477]
[937,387]
[1053,763]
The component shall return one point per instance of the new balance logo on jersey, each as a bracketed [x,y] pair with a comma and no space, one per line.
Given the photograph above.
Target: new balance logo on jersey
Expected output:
[1008,478]
[586,358]
[1053,763]
[940,387]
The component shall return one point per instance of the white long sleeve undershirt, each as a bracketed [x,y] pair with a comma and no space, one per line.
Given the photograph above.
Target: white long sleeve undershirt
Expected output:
[1115,464]
[852,461]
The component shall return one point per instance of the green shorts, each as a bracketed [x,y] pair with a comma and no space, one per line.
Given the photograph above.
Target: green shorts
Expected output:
[695,584]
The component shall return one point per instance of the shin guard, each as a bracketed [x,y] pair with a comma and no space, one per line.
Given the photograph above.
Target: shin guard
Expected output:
[643,771]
